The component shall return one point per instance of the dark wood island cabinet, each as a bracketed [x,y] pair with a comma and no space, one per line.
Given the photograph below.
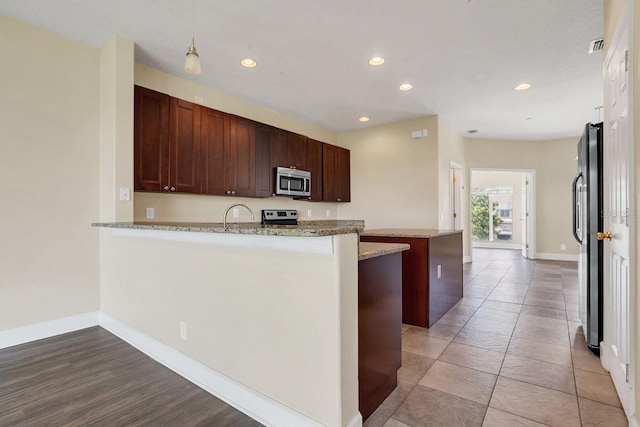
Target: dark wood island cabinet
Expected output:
[379,322]
[431,271]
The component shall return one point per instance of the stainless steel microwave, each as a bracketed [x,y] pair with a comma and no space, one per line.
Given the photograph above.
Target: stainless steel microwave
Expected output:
[293,182]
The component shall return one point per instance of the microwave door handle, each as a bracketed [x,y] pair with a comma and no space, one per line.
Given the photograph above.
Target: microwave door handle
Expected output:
[574,191]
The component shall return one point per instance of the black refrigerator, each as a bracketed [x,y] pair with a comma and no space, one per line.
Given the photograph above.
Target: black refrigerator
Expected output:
[587,222]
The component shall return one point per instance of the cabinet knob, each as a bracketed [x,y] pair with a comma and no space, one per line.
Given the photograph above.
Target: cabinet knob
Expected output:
[273,194]
[233,192]
[228,192]
[166,188]
[173,188]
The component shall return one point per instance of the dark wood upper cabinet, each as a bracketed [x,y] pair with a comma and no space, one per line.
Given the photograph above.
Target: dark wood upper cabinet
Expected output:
[151,140]
[184,147]
[239,157]
[264,172]
[314,165]
[184,152]
[297,151]
[288,150]
[336,169]
[214,126]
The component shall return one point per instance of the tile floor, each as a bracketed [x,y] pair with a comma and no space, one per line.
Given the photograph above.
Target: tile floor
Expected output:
[511,352]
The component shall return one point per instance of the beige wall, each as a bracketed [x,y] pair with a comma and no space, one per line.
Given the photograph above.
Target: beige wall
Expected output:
[48,175]
[175,207]
[555,167]
[612,13]
[394,178]
[504,179]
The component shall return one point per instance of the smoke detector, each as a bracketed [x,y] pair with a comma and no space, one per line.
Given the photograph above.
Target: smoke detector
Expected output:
[596,46]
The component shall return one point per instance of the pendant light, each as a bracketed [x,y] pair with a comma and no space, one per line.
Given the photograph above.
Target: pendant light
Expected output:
[192,61]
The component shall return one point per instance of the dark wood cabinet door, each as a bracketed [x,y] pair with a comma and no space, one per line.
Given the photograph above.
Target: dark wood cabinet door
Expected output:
[297,151]
[329,163]
[264,175]
[343,175]
[151,140]
[279,151]
[213,128]
[240,157]
[184,154]
[314,164]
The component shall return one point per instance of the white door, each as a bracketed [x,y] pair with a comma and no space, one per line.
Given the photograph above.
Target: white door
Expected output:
[618,163]
[524,215]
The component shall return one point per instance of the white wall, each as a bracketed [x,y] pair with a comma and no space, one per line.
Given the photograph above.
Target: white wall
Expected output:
[555,166]
[394,178]
[49,117]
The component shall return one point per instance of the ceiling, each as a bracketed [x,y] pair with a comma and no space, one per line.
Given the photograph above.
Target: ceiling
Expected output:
[463,57]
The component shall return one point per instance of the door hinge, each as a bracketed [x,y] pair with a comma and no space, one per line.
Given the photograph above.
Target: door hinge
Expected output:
[455,215]
[454,179]
[626,60]
[527,182]
[527,246]
[626,368]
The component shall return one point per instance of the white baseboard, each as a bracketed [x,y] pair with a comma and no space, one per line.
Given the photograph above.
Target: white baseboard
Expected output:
[556,257]
[257,406]
[356,421]
[42,330]
[496,244]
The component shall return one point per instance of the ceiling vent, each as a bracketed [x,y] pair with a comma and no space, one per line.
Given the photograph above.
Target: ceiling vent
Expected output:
[596,46]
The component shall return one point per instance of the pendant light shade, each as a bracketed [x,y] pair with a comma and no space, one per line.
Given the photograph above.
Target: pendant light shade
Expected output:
[192,61]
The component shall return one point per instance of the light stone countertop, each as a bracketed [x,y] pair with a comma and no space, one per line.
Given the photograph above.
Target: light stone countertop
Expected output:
[420,233]
[303,229]
[368,250]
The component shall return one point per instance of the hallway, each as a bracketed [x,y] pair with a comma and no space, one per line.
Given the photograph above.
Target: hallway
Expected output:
[510,353]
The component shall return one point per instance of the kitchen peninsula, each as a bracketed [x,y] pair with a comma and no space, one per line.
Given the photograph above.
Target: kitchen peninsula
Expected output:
[272,311]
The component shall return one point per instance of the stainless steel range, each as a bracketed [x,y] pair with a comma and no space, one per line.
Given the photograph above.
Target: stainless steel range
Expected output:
[279,217]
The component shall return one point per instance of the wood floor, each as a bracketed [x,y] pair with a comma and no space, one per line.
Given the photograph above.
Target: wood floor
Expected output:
[91,377]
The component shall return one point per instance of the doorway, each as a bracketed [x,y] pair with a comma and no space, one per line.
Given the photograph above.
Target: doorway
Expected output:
[503,210]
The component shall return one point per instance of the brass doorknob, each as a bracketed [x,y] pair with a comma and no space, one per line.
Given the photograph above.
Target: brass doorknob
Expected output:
[607,235]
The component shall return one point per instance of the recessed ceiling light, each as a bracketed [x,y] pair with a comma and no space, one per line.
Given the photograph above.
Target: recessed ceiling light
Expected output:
[523,86]
[529,118]
[472,131]
[376,60]
[363,119]
[248,62]
[405,86]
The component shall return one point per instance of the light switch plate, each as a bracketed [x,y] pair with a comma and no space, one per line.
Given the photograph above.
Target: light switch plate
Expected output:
[150,213]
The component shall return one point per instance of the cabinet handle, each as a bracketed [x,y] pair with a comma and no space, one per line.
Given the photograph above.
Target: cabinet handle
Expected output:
[166,188]
[173,188]
[339,200]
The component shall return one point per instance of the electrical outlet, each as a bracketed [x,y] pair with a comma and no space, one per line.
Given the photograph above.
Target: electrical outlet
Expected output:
[125,194]
[151,213]
[183,330]
[328,212]
[439,271]
[198,100]
[308,212]
[563,247]
[236,212]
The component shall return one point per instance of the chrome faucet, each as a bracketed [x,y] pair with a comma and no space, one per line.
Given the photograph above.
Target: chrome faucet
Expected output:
[224,221]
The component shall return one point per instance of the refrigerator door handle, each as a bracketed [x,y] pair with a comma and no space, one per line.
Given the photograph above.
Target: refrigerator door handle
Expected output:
[574,191]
